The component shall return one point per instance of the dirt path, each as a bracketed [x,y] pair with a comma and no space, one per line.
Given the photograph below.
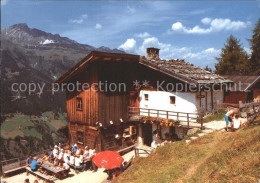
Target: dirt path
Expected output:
[190,171]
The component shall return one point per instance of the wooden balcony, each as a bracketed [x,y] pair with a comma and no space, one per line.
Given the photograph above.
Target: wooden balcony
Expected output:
[188,120]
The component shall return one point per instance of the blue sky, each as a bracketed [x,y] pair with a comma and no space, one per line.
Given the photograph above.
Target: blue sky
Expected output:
[195,31]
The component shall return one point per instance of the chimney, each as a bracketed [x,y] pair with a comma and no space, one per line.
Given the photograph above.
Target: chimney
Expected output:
[152,53]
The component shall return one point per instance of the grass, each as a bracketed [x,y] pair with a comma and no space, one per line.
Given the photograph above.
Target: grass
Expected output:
[217,157]
[216,117]
[15,126]
[55,120]
[24,125]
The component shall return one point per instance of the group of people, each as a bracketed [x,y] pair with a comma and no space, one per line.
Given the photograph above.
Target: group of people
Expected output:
[64,158]
[79,157]
[232,118]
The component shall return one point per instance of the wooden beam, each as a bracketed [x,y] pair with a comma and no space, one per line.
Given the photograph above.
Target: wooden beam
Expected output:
[206,103]
[212,102]
[107,58]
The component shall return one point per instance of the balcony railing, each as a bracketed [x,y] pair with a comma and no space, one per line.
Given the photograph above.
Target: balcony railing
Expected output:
[186,119]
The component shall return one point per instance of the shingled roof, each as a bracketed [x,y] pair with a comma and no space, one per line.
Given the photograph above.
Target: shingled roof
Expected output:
[179,69]
[242,83]
[184,71]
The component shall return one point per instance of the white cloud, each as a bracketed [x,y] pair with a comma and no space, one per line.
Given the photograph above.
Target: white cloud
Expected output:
[210,50]
[177,26]
[206,55]
[143,35]
[98,26]
[129,45]
[200,57]
[80,20]
[216,25]
[154,42]
[206,20]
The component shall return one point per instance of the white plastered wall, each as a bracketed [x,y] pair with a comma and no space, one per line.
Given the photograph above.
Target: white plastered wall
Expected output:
[160,100]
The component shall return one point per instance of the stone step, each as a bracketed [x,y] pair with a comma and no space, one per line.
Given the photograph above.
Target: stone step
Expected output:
[201,134]
[193,138]
[207,131]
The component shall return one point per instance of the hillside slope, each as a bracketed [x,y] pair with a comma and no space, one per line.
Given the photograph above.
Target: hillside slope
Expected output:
[218,157]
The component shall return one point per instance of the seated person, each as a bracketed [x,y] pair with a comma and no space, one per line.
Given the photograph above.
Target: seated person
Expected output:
[66,168]
[59,147]
[61,154]
[92,153]
[35,165]
[46,157]
[55,151]
[116,173]
[79,151]
[29,160]
[66,157]
[79,164]
[74,148]
[57,161]
[72,159]
[86,152]
[236,123]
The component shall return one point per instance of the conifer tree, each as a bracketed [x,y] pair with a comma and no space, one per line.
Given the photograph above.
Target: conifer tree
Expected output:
[255,47]
[233,59]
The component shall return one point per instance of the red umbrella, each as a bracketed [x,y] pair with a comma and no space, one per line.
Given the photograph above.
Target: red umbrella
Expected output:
[108,160]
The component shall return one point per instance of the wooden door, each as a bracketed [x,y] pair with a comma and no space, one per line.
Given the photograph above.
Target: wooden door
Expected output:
[147,130]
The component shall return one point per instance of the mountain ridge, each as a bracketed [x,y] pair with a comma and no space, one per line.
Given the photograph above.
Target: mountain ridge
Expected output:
[27,57]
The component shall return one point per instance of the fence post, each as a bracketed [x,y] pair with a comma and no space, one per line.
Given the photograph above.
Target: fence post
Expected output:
[177,115]
[201,121]
[188,120]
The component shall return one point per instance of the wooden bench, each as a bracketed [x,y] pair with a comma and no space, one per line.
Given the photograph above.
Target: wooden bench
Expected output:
[12,167]
[38,174]
[127,149]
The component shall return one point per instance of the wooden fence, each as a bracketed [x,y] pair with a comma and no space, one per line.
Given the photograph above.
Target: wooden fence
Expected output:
[11,165]
[249,110]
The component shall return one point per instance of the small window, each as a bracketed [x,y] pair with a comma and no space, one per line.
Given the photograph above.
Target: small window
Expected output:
[172,100]
[79,104]
[80,137]
[146,97]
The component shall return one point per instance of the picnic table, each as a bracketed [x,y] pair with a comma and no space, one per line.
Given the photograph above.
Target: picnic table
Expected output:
[53,169]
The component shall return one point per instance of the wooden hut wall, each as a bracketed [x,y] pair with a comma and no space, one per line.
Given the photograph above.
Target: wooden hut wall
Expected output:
[113,104]
[89,113]
[235,97]
[81,120]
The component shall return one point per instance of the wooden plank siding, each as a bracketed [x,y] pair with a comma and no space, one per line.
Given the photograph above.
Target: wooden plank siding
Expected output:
[83,119]
[114,108]
[235,97]
[113,105]
[89,114]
